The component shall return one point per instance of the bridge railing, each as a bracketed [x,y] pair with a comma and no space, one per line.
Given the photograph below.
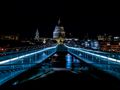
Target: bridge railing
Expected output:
[12,67]
[115,55]
[108,54]
[24,50]
[108,64]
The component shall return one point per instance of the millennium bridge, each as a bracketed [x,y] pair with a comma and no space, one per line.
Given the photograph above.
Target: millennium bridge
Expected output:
[13,64]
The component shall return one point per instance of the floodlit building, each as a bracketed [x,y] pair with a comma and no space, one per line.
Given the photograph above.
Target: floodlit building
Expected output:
[37,35]
[59,33]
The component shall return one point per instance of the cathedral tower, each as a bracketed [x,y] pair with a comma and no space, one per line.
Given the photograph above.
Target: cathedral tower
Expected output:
[37,35]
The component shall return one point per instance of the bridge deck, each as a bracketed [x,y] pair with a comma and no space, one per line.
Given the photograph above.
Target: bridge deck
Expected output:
[79,73]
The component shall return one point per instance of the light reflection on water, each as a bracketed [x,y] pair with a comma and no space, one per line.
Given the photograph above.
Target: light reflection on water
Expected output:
[75,60]
[68,61]
[71,61]
[74,64]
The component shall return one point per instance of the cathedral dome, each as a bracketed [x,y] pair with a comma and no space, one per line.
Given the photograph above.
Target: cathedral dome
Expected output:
[59,31]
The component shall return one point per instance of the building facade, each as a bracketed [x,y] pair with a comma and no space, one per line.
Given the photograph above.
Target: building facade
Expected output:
[59,33]
[110,46]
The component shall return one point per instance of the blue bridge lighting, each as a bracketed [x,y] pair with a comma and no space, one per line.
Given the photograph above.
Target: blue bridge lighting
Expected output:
[16,65]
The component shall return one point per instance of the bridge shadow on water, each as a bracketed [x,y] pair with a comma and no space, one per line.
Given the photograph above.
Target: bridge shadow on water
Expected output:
[63,71]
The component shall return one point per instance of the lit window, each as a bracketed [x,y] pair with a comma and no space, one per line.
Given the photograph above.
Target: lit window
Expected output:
[119,43]
[108,44]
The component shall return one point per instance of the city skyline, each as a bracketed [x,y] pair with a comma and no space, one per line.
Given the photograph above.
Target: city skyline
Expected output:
[66,42]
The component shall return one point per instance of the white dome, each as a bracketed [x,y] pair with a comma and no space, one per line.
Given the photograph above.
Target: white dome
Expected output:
[59,32]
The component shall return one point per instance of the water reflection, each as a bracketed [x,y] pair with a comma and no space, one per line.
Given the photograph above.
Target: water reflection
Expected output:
[68,61]
[75,60]
[74,64]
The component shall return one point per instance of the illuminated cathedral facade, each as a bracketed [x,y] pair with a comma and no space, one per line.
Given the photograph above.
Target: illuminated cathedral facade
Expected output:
[59,33]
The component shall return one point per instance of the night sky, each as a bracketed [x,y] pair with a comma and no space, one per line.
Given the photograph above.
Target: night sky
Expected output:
[77,18]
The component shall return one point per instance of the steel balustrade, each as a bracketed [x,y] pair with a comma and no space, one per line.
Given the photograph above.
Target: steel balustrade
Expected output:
[104,63]
[12,67]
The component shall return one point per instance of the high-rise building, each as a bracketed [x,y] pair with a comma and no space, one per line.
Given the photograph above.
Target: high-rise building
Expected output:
[59,33]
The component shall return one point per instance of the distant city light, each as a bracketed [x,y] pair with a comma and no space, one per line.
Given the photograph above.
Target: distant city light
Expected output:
[108,44]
